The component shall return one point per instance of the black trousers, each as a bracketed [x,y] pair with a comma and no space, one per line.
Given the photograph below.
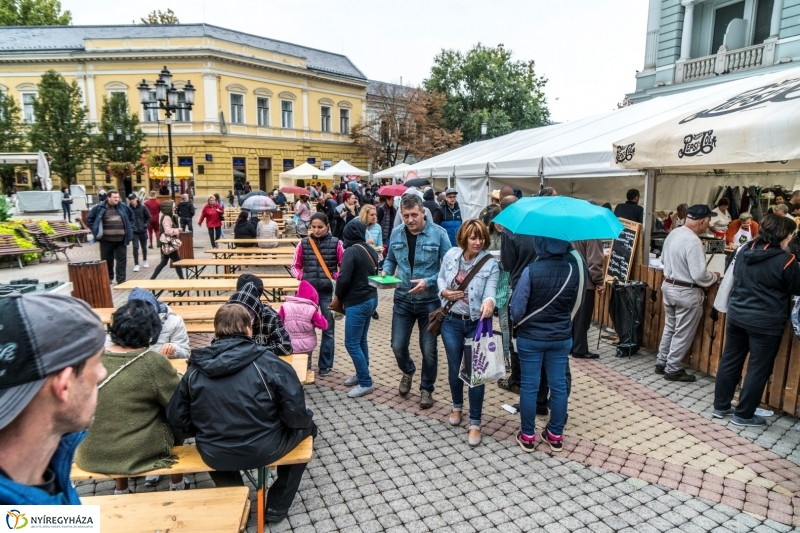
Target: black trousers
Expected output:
[580,326]
[186,222]
[164,261]
[139,241]
[283,490]
[542,397]
[214,234]
[115,252]
[763,349]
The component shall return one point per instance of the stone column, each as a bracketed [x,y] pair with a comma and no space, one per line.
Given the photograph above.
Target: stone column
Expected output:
[211,107]
[686,35]
[651,45]
[777,14]
[90,98]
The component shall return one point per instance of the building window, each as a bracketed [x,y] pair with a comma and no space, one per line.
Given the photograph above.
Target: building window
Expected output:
[344,121]
[151,114]
[182,115]
[237,108]
[326,119]
[763,21]
[262,107]
[27,107]
[722,17]
[287,121]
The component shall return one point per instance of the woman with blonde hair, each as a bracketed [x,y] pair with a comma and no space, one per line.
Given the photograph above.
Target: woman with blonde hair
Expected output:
[267,229]
[369,216]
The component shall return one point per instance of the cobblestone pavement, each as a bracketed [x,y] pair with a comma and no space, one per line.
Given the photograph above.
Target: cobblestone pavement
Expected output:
[640,453]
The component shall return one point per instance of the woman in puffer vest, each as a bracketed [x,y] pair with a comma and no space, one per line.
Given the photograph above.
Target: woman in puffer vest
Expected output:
[300,316]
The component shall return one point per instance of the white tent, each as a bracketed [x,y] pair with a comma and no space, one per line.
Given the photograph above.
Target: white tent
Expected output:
[304,172]
[397,171]
[343,168]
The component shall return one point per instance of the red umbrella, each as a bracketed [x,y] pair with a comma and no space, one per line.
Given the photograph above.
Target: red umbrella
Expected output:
[392,190]
[293,189]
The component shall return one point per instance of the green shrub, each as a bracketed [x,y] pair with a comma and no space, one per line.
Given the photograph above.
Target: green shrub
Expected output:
[5,209]
[8,228]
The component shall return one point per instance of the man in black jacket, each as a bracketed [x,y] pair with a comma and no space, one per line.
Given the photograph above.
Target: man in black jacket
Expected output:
[630,210]
[245,407]
[141,220]
[185,212]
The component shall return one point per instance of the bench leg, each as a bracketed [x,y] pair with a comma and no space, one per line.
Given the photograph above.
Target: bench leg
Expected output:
[261,490]
[19,260]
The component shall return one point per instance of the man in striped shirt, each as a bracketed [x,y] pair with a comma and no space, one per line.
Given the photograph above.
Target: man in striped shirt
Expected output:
[111,223]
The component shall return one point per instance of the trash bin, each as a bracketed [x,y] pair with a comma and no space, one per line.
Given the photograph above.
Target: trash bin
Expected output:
[90,283]
[186,251]
[626,310]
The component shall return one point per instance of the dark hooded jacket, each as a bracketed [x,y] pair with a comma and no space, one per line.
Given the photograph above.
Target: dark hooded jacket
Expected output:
[516,253]
[764,279]
[245,407]
[429,200]
[539,288]
[268,330]
[358,262]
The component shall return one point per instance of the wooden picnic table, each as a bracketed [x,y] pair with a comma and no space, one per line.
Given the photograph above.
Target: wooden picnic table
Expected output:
[217,510]
[299,362]
[227,253]
[232,242]
[189,313]
[277,286]
[194,267]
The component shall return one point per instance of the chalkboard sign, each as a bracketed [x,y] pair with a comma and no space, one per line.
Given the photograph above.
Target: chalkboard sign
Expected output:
[623,251]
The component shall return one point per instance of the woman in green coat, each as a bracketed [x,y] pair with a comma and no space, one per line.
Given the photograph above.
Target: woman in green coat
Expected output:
[130,433]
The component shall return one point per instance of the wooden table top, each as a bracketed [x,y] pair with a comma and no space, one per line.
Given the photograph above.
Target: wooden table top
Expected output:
[217,510]
[189,313]
[284,240]
[203,284]
[252,250]
[298,361]
[209,261]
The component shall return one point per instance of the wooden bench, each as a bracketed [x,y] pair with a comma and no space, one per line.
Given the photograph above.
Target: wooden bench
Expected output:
[9,248]
[215,275]
[62,229]
[47,243]
[219,510]
[298,361]
[204,300]
[190,462]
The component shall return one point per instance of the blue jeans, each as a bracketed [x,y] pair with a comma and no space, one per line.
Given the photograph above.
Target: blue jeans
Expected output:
[407,311]
[326,346]
[356,326]
[533,355]
[455,332]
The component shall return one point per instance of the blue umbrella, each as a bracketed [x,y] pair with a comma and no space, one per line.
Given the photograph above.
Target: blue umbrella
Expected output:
[559,217]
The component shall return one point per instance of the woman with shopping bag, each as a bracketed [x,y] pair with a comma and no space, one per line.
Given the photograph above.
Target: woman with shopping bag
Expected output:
[467,283]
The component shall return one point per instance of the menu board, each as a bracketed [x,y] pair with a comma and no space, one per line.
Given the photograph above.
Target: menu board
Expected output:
[623,250]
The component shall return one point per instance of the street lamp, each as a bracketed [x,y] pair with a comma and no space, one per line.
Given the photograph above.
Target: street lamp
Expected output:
[484,130]
[118,138]
[167,99]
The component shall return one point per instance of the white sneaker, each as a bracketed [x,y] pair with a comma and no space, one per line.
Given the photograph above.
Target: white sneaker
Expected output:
[145,265]
[351,381]
[359,391]
[136,268]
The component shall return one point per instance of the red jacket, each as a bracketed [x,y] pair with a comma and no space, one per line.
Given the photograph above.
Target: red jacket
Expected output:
[212,216]
[154,206]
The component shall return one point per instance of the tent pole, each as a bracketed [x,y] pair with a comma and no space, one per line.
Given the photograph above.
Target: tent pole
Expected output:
[649,215]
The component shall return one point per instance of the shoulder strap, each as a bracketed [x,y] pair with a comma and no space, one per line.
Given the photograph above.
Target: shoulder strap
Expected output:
[319,258]
[564,286]
[371,260]
[471,274]
[120,369]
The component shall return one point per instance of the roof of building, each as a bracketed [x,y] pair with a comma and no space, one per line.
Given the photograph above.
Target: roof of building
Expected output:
[374,87]
[71,38]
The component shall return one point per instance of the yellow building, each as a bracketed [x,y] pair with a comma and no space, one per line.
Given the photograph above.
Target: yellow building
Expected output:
[261,106]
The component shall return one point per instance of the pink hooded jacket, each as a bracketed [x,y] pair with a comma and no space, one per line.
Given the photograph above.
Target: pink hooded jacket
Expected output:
[300,315]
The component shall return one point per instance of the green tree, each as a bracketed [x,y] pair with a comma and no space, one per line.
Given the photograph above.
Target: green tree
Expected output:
[60,126]
[487,85]
[123,127]
[12,138]
[33,13]
[160,17]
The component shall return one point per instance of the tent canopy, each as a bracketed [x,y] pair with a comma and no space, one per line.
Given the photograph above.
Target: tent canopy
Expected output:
[393,172]
[18,158]
[751,125]
[305,171]
[343,168]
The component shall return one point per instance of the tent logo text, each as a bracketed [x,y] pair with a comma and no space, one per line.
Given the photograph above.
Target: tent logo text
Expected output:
[625,153]
[698,143]
[784,91]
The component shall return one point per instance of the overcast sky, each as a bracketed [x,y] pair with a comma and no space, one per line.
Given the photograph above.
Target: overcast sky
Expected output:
[589,50]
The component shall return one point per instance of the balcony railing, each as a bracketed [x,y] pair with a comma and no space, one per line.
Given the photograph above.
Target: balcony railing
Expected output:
[724,62]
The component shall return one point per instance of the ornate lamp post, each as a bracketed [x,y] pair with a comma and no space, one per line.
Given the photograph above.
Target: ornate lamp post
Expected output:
[167,99]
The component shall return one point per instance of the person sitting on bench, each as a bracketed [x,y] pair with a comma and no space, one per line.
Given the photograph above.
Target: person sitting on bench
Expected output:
[130,433]
[268,330]
[245,407]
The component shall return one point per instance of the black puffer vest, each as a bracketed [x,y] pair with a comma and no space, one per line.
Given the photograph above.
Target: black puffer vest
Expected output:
[312,270]
[386,215]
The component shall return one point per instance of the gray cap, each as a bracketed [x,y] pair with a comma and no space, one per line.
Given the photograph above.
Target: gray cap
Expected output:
[450,191]
[41,334]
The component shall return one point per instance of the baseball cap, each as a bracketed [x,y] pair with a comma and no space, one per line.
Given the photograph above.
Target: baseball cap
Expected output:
[699,212]
[131,196]
[41,334]
[450,191]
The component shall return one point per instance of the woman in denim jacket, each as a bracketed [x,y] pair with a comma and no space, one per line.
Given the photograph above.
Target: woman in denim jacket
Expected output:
[476,302]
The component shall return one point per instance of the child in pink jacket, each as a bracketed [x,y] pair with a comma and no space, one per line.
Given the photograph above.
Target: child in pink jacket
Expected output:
[300,315]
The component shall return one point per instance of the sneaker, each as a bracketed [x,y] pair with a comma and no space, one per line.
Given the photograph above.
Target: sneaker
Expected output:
[554,441]
[126,491]
[524,443]
[722,413]
[661,369]
[324,371]
[144,264]
[183,485]
[506,385]
[151,246]
[351,382]
[680,375]
[589,355]
[358,390]
[405,384]
[152,481]
[425,399]
[756,421]
[136,268]
[375,315]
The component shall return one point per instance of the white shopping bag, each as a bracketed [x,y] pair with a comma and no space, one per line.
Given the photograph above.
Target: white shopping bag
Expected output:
[482,361]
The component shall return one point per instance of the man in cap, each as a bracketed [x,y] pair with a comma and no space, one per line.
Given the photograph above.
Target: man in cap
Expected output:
[448,215]
[48,394]
[685,277]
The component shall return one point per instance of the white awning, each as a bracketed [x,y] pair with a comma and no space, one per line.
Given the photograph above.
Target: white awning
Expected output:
[19,158]
[343,168]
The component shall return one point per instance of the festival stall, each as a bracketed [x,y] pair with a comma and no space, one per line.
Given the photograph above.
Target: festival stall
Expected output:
[306,172]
